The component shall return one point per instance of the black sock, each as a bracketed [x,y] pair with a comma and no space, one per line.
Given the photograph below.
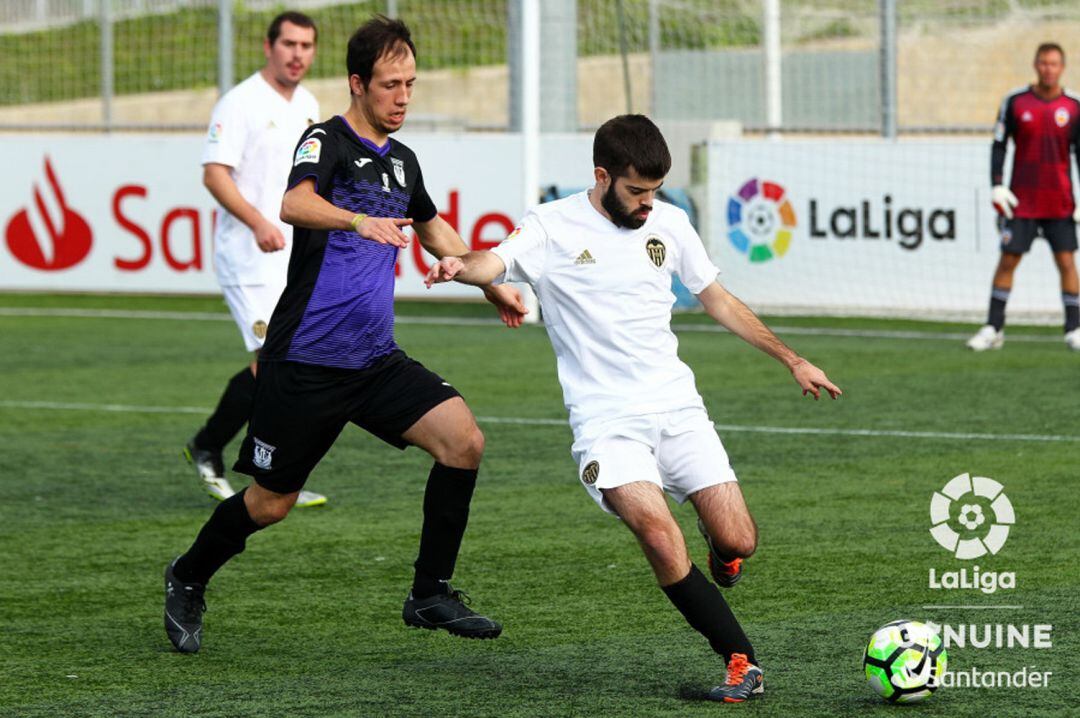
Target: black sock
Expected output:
[998,299]
[700,602]
[232,412]
[222,537]
[1072,310]
[446,513]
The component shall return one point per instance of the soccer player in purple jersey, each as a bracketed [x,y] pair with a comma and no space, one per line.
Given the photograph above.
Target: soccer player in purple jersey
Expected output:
[1043,121]
[330,356]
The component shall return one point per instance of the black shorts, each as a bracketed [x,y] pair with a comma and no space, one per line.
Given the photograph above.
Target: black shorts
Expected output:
[301,408]
[1018,233]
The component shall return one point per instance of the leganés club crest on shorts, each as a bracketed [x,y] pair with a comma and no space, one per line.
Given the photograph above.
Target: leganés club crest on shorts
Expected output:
[656,250]
[591,472]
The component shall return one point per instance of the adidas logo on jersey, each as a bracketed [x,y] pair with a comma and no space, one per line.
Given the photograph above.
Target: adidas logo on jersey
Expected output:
[585,258]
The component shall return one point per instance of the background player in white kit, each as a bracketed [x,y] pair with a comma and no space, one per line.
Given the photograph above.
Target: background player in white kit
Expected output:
[246,163]
[601,263]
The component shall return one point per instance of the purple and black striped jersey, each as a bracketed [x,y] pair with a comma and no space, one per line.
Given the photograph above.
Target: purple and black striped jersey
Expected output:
[338,307]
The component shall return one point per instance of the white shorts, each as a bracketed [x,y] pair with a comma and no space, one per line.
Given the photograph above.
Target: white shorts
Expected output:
[251,306]
[678,451]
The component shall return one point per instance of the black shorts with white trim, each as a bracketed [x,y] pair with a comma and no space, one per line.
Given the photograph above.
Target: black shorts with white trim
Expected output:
[300,409]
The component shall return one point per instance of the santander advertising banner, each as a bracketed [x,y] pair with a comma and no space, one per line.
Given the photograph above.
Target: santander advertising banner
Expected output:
[128,213]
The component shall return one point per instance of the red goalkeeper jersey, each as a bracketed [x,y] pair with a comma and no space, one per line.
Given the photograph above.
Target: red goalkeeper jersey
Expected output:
[1043,133]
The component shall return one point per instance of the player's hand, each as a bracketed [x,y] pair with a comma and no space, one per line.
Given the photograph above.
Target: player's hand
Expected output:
[813,380]
[507,300]
[1004,199]
[269,237]
[385,230]
[443,271]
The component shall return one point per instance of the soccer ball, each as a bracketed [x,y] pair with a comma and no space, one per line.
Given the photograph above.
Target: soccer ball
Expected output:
[905,661]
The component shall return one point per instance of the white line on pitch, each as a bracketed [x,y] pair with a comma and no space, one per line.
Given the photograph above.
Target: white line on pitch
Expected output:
[973,608]
[525,421]
[478,322]
[121,408]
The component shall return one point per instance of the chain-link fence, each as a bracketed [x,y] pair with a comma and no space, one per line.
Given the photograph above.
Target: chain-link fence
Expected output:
[784,65]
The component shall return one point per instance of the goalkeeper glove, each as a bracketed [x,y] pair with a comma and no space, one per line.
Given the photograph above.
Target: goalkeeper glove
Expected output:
[1005,200]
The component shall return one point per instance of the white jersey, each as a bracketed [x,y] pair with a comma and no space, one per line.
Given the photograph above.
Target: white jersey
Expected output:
[606,294]
[254,130]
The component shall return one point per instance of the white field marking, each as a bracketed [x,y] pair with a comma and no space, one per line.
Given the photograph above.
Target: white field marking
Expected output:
[525,421]
[121,408]
[973,608]
[475,322]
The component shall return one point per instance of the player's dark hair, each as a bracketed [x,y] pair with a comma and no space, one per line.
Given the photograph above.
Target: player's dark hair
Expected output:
[631,141]
[296,18]
[1050,47]
[378,37]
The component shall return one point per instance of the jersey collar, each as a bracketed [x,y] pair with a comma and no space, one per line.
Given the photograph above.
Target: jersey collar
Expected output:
[380,151]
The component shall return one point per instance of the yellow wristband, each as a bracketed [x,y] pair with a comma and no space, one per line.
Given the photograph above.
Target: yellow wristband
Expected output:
[356,221]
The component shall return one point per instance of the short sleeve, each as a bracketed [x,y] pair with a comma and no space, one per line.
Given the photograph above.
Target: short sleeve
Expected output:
[524,252]
[315,157]
[227,134]
[693,265]
[421,208]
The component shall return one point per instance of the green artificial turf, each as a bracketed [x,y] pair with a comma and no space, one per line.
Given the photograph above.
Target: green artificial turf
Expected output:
[307,621]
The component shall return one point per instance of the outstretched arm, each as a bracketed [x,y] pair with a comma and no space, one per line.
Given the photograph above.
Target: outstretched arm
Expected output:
[476,268]
[442,240]
[735,316]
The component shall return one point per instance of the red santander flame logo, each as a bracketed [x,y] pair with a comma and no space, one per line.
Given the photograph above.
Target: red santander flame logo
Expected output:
[66,243]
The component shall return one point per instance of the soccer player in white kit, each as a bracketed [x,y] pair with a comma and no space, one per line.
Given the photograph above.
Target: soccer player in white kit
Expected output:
[601,262]
[246,162]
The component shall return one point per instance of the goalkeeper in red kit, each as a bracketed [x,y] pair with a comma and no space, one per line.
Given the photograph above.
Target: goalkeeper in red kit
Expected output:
[1043,121]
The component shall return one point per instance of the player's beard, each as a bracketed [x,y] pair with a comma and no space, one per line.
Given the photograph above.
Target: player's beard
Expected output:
[376,124]
[620,217]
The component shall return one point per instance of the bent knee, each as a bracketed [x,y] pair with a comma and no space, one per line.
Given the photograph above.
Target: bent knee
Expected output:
[265,513]
[742,546]
[466,452]
[744,549]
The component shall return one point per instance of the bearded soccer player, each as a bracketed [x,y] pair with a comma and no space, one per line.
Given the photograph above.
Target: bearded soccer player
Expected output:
[1043,121]
[601,263]
[246,162]
[330,356]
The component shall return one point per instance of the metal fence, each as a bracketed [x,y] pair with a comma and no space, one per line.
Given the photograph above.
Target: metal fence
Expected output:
[867,66]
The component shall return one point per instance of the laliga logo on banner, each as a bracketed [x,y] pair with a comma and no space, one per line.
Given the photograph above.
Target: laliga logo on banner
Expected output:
[63,237]
[760,219]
